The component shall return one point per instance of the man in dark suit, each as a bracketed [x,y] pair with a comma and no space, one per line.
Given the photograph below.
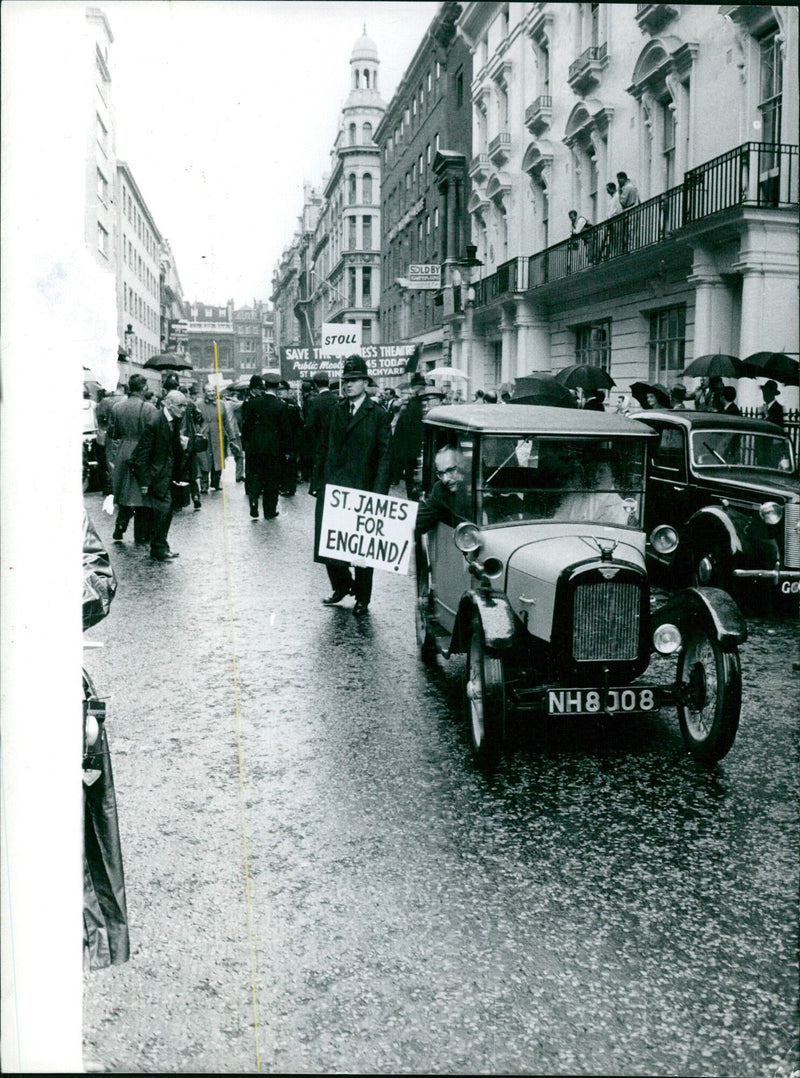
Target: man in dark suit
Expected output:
[407,437]
[772,409]
[357,456]
[317,425]
[729,397]
[266,438]
[155,462]
[295,418]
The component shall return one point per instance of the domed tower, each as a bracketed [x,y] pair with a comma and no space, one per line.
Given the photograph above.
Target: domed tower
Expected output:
[355,185]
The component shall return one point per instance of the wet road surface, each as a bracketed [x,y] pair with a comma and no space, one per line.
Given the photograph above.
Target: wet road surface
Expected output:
[320,880]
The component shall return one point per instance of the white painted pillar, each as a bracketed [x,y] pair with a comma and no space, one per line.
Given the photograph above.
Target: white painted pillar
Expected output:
[533,339]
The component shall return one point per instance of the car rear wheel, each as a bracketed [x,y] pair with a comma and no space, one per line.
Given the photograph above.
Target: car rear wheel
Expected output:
[710,684]
[485,696]
[425,638]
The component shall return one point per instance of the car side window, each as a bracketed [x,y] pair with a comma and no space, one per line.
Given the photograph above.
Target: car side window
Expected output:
[668,457]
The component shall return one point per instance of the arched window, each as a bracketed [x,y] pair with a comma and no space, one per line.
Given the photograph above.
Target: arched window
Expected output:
[367,132]
[366,78]
[351,189]
[352,134]
[356,77]
[367,188]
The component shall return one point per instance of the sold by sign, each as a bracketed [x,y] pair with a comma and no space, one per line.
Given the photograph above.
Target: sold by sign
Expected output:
[340,339]
[367,529]
[425,275]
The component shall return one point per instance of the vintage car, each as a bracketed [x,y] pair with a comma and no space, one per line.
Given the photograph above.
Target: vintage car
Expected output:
[538,575]
[728,489]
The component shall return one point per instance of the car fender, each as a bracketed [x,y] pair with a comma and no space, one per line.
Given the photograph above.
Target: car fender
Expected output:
[497,619]
[716,519]
[715,608]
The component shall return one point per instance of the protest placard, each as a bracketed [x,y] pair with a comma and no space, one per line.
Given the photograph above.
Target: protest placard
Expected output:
[369,529]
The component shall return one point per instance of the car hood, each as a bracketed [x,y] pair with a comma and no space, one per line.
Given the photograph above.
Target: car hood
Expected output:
[752,481]
[545,550]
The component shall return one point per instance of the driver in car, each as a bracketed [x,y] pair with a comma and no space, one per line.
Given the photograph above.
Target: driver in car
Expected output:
[447,500]
[599,502]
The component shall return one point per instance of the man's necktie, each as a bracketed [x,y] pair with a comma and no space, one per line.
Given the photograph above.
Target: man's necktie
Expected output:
[352,409]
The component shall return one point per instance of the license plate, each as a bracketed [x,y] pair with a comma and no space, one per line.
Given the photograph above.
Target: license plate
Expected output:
[593,701]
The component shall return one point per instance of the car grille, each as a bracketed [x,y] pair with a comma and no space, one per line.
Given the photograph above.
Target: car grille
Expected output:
[792,534]
[606,621]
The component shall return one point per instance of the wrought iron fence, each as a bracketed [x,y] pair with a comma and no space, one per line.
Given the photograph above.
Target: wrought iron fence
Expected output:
[791,426]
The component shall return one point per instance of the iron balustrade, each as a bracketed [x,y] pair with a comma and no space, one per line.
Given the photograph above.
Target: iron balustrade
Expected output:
[503,139]
[543,101]
[755,174]
[593,53]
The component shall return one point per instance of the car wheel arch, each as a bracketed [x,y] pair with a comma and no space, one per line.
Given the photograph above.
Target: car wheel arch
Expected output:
[497,621]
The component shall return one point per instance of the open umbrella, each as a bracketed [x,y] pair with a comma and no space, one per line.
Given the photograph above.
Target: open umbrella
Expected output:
[168,361]
[585,377]
[716,363]
[542,389]
[775,365]
[445,372]
[639,391]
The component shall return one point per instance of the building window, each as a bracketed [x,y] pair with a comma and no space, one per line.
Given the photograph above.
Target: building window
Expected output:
[351,286]
[366,331]
[428,153]
[351,233]
[667,344]
[593,344]
[352,134]
[459,89]
[771,87]
[367,189]
[367,132]
[366,287]
[351,189]
[367,233]
[668,122]
[102,239]
[102,135]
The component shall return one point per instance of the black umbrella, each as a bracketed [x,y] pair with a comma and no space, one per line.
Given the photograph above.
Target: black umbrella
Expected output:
[716,363]
[775,365]
[542,389]
[639,391]
[168,361]
[585,377]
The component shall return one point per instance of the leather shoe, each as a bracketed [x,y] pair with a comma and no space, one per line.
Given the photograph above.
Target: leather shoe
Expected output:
[165,557]
[360,610]
[254,509]
[335,597]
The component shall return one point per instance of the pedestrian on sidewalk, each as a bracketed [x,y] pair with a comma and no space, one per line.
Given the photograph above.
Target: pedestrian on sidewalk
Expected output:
[318,420]
[128,421]
[295,418]
[358,456]
[266,440]
[156,463]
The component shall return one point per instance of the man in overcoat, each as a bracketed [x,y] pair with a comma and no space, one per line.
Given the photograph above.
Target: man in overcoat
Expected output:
[266,441]
[156,461]
[358,456]
[318,421]
[129,418]
[407,437]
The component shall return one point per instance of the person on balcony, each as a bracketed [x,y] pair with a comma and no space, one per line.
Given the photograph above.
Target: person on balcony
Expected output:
[628,194]
[580,231]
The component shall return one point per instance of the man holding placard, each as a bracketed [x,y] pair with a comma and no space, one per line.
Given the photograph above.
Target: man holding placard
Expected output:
[357,457]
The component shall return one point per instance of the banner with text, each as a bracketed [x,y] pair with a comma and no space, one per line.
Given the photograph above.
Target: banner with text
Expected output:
[367,529]
[383,361]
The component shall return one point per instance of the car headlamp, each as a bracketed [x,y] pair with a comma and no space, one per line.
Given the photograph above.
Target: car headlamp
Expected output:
[467,537]
[771,512]
[667,639]
[664,539]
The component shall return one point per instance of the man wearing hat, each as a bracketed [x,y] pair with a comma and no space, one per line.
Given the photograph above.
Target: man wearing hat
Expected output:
[407,437]
[317,425]
[156,463]
[295,418]
[772,409]
[266,440]
[357,456]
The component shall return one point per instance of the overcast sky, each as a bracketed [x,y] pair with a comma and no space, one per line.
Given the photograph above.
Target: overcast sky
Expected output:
[224,109]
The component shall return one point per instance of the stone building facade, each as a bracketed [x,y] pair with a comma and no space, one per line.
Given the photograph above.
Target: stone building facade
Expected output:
[699,106]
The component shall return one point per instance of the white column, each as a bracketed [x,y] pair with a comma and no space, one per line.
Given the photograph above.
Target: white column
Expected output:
[533,339]
[768,262]
[713,311]
[509,331]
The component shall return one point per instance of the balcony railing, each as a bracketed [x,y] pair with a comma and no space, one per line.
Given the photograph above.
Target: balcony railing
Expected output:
[537,115]
[757,174]
[590,61]
[500,148]
[479,166]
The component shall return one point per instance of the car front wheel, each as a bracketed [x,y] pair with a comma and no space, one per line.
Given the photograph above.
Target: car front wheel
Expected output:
[710,688]
[485,696]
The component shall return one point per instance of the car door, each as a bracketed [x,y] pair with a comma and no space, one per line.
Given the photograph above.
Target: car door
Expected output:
[667,500]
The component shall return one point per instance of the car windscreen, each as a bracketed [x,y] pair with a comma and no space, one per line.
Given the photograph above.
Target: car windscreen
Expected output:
[528,478]
[745,449]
